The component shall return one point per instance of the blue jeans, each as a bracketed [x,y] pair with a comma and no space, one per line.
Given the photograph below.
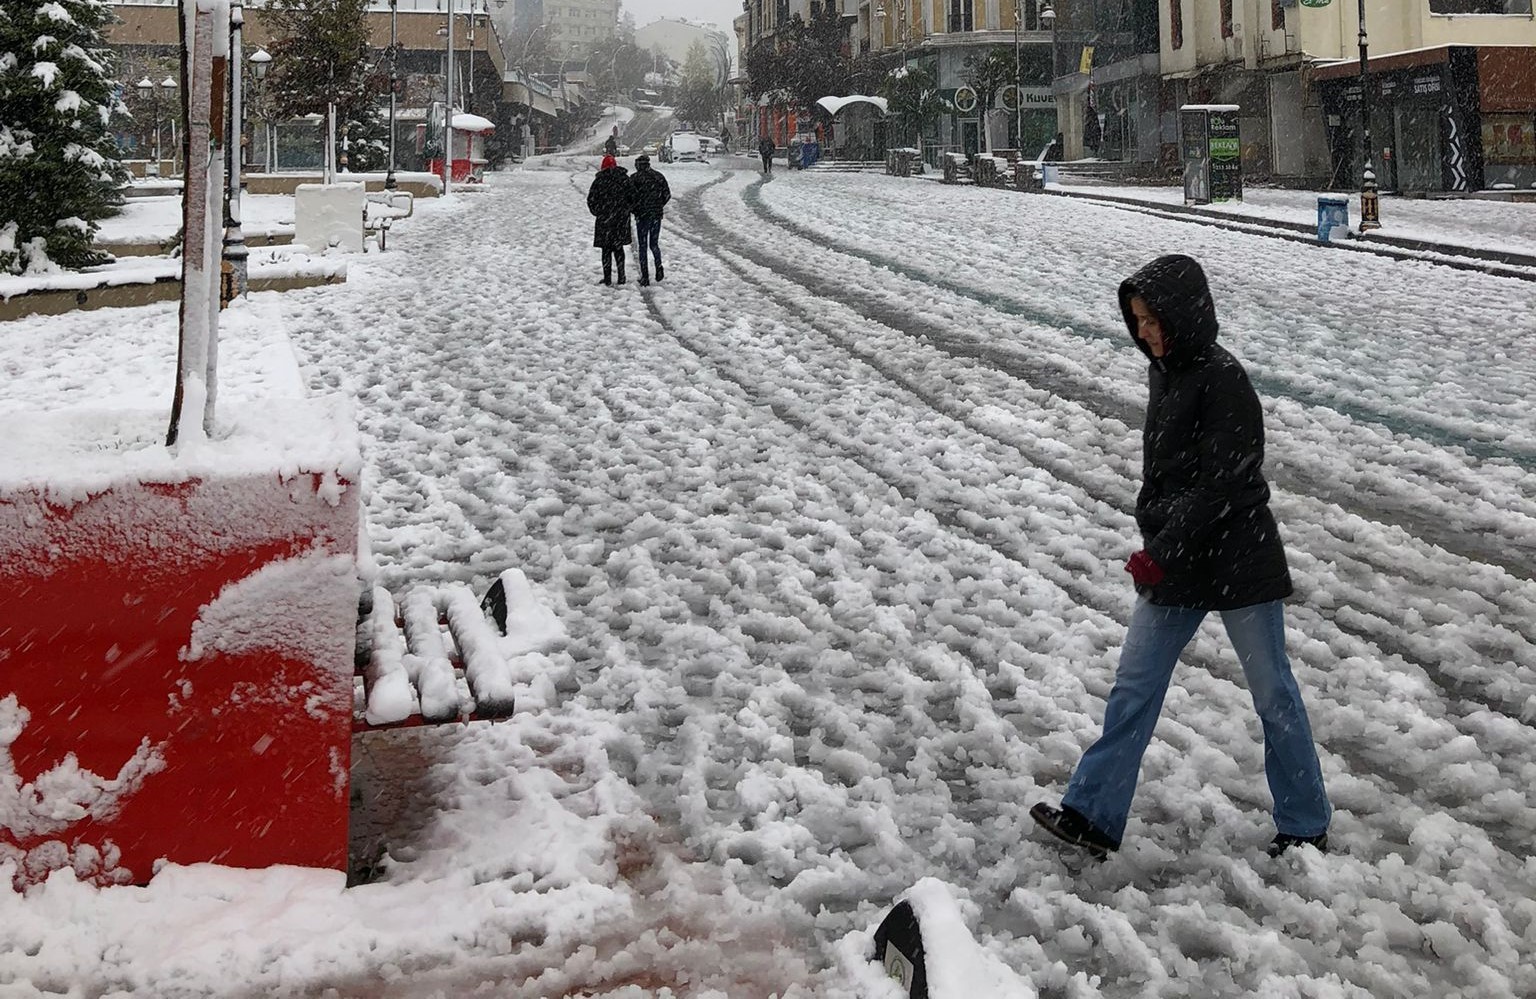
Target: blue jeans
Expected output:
[1105,780]
[648,231]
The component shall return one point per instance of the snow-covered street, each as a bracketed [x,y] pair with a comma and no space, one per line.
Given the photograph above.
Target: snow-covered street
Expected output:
[835,517]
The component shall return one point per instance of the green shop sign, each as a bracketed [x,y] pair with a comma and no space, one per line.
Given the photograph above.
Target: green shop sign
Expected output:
[1316,3]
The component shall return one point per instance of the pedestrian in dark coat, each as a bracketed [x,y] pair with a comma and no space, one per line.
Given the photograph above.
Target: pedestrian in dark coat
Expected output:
[1211,544]
[766,149]
[650,196]
[609,201]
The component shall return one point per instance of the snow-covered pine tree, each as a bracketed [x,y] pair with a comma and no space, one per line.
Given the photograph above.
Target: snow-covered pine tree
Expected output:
[60,172]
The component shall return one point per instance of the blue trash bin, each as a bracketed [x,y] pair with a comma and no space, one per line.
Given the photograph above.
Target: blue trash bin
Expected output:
[1331,211]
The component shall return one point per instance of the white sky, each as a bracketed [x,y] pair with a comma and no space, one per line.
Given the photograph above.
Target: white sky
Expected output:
[843,601]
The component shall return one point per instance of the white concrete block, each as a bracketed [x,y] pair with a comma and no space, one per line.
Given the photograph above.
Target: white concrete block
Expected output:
[327,215]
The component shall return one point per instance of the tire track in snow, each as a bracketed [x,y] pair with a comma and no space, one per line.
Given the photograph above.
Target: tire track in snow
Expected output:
[1427,519]
[1268,383]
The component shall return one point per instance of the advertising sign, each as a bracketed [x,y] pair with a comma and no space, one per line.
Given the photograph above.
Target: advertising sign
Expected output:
[1226,148]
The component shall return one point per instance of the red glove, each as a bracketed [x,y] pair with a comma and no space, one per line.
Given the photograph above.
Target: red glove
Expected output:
[1144,570]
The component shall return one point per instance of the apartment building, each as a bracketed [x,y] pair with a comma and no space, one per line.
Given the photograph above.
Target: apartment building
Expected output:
[1451,85]
[577,27]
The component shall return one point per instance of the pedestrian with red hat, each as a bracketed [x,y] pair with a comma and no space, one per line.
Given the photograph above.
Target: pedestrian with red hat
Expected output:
[610,200]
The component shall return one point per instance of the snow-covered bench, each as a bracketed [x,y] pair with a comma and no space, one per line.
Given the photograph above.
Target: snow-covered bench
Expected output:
[382,208]
[438,655]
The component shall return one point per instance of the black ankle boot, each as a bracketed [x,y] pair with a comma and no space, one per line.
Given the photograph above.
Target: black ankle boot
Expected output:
[1284,841]
[660,272]
[1070,826]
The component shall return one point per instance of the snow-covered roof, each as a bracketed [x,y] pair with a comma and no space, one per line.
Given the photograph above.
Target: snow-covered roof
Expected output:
[466,122]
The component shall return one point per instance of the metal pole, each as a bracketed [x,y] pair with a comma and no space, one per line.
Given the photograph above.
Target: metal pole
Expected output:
[234,237]
[469,100]
[394,86]
[1370,201]
[448,112]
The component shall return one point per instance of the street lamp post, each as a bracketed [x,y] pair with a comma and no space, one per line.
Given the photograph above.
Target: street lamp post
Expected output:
[148,92]
[261,61]
[1018,80]
[394,87]
[235,252]
[1370,200]
[1048,15]
[522,67]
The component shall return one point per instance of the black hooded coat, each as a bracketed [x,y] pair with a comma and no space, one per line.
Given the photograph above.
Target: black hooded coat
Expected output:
[610,200]
[1203,508]
[649,190]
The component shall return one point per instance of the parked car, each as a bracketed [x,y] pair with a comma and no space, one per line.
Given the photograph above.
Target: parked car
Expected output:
[684,147]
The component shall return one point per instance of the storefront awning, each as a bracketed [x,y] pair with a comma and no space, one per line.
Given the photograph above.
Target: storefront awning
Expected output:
[832,105]
[1388,63]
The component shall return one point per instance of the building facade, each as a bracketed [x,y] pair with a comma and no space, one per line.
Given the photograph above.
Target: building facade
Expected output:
[577,27]
[1451,87]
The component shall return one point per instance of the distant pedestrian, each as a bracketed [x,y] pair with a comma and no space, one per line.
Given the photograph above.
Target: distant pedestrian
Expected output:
[766,149]
[609,201]
[611,147]
[649,195]
[1211,544]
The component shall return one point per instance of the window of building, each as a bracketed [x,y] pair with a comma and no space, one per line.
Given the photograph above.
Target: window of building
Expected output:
[962,15]
[1480,6]
[1276,15]
[1226,18]
[1176,23]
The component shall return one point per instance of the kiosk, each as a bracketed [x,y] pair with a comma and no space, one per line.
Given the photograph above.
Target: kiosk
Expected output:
[1210,144]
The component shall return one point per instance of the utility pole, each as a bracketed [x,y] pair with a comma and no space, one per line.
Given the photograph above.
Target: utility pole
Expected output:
[448,113]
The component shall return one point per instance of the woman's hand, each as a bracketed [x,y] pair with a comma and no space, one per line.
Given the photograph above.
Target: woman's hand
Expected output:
[1144,569]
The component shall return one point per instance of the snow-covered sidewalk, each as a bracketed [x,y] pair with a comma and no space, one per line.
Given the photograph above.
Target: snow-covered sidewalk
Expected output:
[1457,222]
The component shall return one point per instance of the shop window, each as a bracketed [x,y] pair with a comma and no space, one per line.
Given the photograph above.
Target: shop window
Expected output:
[1479,6]
[1226,18]
[1176,24]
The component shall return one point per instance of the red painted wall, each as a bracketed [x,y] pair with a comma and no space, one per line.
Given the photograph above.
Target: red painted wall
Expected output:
[228,742]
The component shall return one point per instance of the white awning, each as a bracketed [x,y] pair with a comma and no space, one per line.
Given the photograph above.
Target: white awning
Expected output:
[832,105]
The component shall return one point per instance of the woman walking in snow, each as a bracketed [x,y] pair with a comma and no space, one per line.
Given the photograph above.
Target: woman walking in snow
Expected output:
[1211,544]
[610,201]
